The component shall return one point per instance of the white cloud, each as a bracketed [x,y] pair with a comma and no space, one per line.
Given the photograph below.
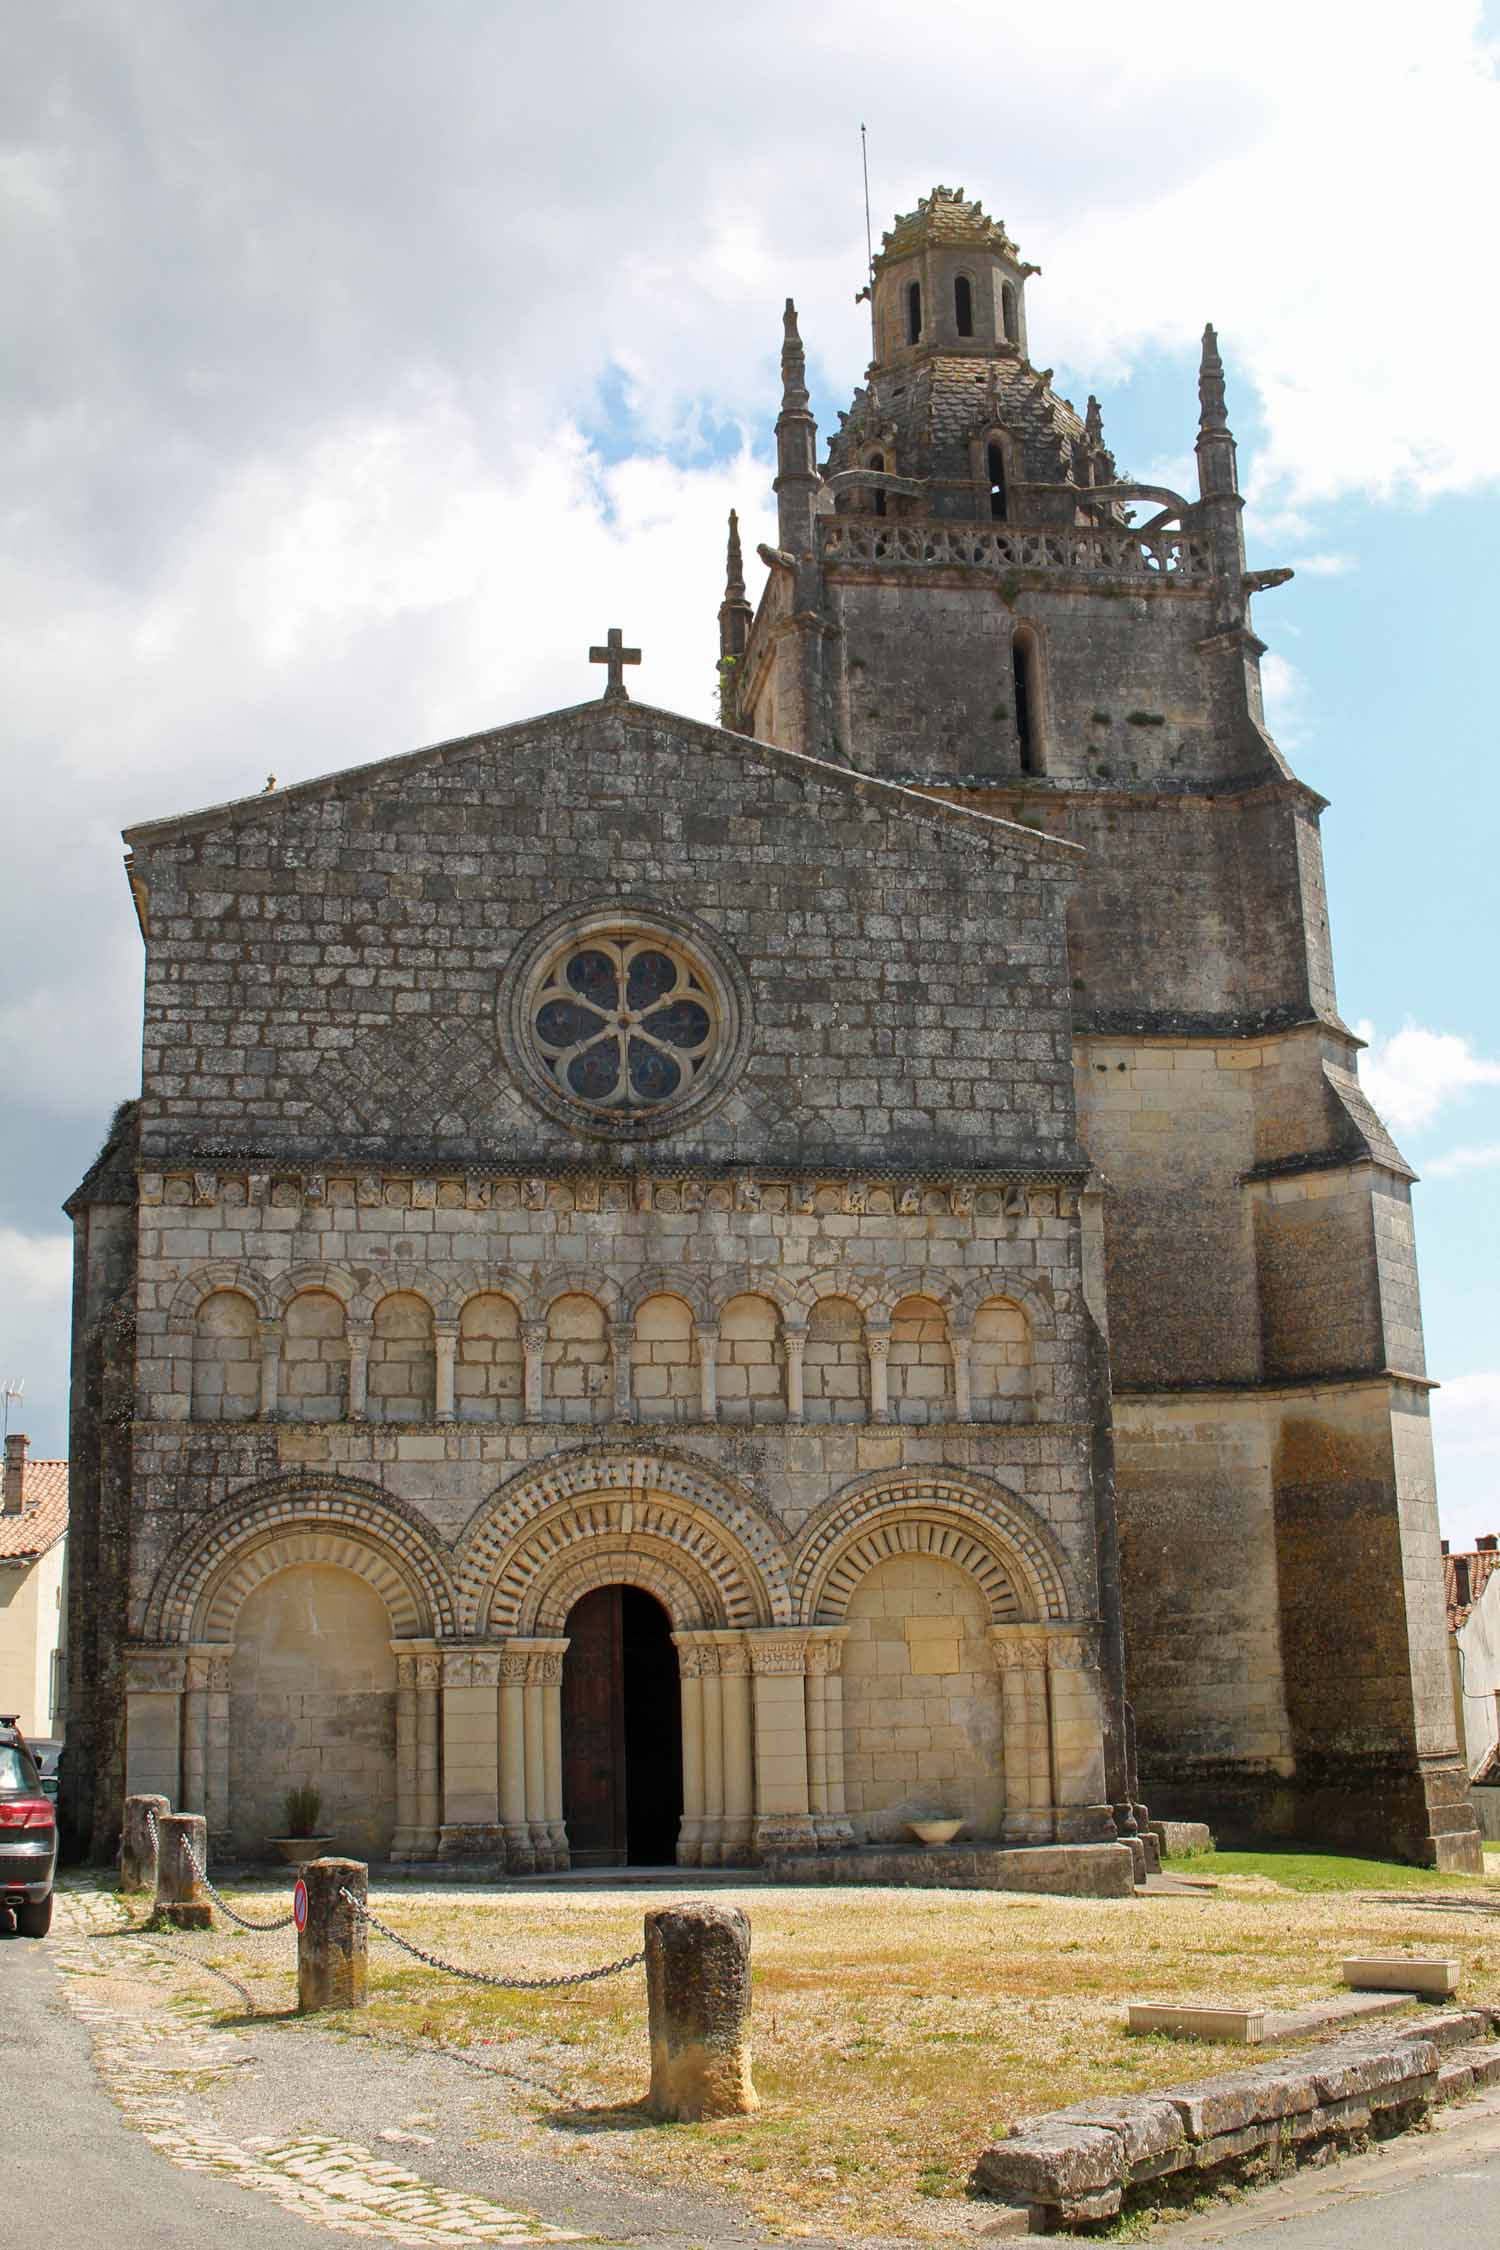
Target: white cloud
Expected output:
[1325,566]
[1414,1073]
[1285,692]
[36,1284]
[1485,1158]
[1466,1439]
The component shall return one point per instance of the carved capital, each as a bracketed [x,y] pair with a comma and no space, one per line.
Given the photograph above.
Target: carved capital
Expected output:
[533,1335]
[155,1671]
[514,1667]
[734,1659]
[825,1650]
[1074,1648]
[1019,1648]
[430,1671]
[777,1652]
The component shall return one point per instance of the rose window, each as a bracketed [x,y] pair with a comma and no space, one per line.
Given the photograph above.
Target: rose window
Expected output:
[624,1021]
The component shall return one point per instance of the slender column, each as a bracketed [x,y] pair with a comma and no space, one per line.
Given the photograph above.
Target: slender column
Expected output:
[825,1734]
[1075,1714]
[445,1341]
[713,1754]
[205,1739]
[194,1732]
[533,1344]
[216,1751]
[519,1856]
[535,1761]
[471,1756]
[154,1682]
[359,1372]
[795,1340]
[783,1815]
[963,1389]
[739,1755]
[706,1346]
[878,1341]
[552,1672]
[691,1658]
[429,1751]
[1021,1655]
[404,1841]
[622,1350]
[269,1334]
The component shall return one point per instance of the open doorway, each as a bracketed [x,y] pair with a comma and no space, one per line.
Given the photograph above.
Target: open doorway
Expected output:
[622,1731]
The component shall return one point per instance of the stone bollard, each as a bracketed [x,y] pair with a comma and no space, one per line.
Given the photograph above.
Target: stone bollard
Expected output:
[137,1849]
[698,1997]
[333,1944]
[180,1897]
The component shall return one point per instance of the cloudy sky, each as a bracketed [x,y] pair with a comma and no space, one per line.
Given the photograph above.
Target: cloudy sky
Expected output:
[364,362]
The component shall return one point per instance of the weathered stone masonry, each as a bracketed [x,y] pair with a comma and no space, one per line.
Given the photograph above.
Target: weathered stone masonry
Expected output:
[779,1169]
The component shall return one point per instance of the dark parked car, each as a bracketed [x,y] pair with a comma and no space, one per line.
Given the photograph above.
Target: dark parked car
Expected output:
[46,1755]
[28,1837]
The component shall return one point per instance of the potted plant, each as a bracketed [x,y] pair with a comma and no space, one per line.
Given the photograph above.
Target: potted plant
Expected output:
[299,1809]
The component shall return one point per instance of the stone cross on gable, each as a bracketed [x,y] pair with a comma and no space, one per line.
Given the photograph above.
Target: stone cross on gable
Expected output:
[616,656]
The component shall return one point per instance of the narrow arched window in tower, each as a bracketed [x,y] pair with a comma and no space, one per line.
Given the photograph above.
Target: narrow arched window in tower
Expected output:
[914,312]
[963,305]
[1008,315]
[995,466]
[1023,668]
[877,462]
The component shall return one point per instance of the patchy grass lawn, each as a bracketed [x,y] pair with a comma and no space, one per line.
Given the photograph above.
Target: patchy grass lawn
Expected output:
[896,2032]
[1322,1871]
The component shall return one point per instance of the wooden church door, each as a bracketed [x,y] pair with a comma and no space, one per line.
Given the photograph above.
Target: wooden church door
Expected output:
[593,1727]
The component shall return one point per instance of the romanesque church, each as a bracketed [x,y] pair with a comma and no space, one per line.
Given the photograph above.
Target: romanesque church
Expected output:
[703,1292]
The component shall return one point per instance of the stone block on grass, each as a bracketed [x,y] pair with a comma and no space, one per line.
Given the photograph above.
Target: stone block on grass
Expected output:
[1433,1976]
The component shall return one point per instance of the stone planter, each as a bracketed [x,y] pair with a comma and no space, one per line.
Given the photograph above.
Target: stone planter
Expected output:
[931,1833]
[297,1850]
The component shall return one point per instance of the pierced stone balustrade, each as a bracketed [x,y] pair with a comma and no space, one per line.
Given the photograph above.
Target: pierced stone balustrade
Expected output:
[1081,550]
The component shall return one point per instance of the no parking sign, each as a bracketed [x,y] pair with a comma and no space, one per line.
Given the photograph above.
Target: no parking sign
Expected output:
[299,1906]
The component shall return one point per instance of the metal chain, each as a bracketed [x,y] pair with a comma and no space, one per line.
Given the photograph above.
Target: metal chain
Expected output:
[481,1976]
[281,1922]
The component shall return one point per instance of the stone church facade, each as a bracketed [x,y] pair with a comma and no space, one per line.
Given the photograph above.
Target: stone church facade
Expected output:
[699,1291]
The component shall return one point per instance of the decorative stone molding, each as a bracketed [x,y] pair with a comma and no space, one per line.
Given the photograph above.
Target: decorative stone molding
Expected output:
[617,1495]
[981,1527]
[360,1519]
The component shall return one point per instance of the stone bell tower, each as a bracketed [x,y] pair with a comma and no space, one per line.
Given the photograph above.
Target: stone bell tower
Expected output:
[969,598]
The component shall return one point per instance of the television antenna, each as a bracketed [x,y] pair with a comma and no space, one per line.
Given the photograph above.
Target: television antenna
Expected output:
[12,1391]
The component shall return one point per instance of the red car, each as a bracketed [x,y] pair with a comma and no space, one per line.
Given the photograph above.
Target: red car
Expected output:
[28,1836]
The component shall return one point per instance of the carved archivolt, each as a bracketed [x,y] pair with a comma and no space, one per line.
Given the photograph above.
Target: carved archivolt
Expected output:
[200,1587]
[621,1495]
[205,1281]
[986,1531]
[680,1581]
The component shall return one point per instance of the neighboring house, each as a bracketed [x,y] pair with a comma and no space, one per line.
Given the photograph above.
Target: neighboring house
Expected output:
[1471,1584]
[33,1590]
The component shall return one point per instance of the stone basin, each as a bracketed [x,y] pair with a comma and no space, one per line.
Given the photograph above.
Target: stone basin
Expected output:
[934,1832]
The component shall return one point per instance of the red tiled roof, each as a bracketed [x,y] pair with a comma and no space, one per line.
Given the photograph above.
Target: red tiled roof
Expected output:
[44,1513]
[1480,1566]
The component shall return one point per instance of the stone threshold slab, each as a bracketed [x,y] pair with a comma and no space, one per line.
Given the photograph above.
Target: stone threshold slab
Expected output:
[1065,1870]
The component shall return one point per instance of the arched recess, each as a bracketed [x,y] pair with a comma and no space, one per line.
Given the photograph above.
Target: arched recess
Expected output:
[332,1281]
[627,1500]
[665,1281]
[226,1358]
[204,1281]
[199,1576]
[994,1535]
[1034,1298]
[665,1381]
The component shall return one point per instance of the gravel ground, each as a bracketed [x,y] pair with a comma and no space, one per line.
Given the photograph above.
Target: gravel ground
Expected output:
[896,2033]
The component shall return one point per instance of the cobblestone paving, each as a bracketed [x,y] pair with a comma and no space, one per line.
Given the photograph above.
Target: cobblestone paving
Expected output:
[154,2063]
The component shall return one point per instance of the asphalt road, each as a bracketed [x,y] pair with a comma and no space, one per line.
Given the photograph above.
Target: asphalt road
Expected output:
[75,2177]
